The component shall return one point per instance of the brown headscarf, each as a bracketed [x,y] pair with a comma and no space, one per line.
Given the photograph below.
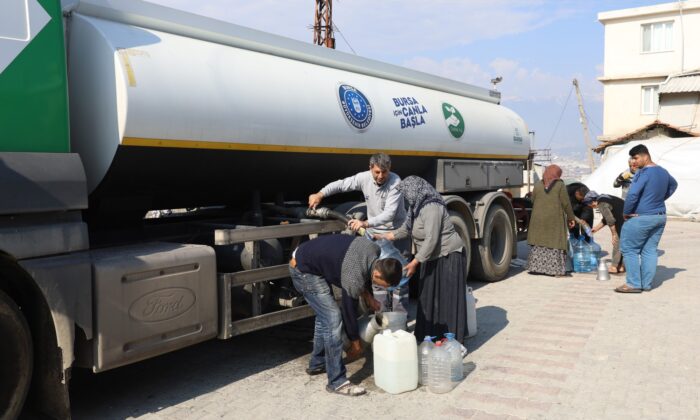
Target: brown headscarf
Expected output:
[551,174]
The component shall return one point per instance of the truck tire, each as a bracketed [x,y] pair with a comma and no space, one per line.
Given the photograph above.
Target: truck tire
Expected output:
[16,356]
[492,254]
[461,228]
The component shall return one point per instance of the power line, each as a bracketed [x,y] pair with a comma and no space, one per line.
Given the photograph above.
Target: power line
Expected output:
[571,89]
[600,130]
[337,29]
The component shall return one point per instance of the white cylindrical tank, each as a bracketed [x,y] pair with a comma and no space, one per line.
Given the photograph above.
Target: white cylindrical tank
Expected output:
[196,101]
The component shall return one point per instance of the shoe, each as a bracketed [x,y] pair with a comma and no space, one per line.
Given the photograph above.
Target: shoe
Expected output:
[316,371]
[347,389]
[647,290]
[626,289]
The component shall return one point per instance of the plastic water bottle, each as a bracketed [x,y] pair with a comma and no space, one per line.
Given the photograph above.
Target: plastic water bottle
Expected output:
[439,370]
[424,359]
[582,256]
[454,349]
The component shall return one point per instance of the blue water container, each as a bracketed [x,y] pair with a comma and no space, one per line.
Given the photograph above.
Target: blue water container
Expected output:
[584,259]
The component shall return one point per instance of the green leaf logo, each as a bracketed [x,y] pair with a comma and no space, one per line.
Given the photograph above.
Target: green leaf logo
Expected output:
[453,119]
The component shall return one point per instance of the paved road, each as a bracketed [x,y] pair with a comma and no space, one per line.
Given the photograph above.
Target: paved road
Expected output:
[550,348]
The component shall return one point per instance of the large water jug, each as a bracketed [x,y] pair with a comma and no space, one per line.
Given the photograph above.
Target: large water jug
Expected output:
[439,370]
[395,361]
[424,359]
[582,256]
[471,313]
[454,349]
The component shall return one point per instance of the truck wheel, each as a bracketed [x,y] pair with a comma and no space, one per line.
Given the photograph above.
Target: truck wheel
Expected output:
[461,228]
[492,254]
[16,356]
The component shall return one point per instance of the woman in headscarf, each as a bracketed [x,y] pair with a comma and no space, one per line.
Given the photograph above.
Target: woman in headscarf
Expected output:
[440,259]
[547,233]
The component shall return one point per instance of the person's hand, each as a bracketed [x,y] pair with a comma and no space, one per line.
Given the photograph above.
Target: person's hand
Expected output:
[626,175]
[572,223]
[354,352]
[356,225]
[595,229]
[411,267]
[315,199]
[373,304]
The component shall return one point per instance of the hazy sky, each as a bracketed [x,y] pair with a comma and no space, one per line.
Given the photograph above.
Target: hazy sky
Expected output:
[537,46]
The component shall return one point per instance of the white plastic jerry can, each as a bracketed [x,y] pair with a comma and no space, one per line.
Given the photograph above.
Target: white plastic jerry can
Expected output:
[395,361]
[471,313]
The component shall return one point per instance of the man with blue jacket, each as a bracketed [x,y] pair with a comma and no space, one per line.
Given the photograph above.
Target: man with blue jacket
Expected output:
[645,214]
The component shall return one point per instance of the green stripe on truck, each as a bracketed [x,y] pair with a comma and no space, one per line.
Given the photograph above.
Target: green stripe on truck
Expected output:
[33,88]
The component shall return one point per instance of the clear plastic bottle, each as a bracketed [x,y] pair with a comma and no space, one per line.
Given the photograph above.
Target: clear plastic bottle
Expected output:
[439,370]
[424,359]
[454,349]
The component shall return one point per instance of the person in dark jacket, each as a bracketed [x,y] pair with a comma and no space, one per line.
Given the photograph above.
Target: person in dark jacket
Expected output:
[610,208]
[577,191]
[351,263]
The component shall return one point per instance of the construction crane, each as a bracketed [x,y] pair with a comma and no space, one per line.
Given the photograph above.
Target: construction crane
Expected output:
[584,123]
[323,24]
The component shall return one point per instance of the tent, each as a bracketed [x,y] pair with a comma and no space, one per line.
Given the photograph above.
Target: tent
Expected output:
[679,156]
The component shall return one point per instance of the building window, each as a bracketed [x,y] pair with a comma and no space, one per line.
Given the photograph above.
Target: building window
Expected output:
[657,37]
[650,99]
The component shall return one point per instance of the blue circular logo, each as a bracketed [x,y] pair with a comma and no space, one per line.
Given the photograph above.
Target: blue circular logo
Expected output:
[355,106]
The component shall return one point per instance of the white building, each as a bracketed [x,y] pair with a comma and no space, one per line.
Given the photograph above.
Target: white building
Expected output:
[650,53]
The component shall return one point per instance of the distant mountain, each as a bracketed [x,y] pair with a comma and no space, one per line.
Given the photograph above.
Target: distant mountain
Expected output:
[573,162]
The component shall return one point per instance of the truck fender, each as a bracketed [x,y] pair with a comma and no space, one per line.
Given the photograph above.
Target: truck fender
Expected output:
[460,205]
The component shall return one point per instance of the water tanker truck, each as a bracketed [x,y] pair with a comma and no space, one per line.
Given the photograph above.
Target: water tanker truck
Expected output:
[114,109]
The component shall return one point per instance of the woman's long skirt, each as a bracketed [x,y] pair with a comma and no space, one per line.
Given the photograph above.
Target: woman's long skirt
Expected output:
[442,303]
[543,260]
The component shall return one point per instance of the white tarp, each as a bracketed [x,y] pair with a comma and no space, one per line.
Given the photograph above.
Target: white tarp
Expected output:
[679,156]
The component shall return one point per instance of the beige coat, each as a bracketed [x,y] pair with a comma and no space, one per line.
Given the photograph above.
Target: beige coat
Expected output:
[550,212]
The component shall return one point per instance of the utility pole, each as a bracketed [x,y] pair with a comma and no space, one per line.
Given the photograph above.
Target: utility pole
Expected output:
[323,24]
[584,123]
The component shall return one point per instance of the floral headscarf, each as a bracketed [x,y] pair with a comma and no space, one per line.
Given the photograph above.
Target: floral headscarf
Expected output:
[418,193]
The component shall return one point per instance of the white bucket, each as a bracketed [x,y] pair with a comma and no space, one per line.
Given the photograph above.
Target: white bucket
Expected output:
[471,313]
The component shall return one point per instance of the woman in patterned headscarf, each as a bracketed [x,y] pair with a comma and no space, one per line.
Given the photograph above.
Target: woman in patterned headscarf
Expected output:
[440,257]
[547,233]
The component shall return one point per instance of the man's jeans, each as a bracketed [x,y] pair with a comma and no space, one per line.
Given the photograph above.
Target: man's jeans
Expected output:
[638,243]
[328,339]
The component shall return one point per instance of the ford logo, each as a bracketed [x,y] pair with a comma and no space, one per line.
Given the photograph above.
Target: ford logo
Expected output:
[162,305]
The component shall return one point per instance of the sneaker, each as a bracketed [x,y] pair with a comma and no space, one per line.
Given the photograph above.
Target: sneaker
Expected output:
[347,389]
